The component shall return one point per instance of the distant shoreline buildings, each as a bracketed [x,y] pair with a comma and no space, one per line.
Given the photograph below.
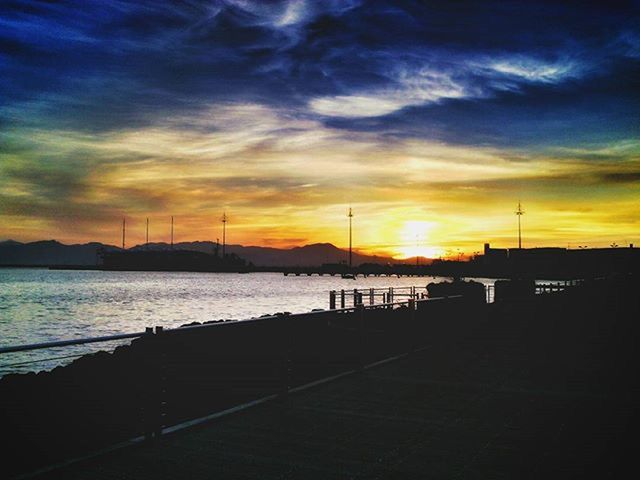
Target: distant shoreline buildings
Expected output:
[555,261]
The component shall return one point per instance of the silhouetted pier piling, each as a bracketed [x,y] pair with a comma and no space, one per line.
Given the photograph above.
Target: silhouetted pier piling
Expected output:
[343,298]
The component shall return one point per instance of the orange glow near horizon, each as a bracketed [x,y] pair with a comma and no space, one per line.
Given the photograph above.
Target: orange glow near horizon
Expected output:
[410,197]
[376,231]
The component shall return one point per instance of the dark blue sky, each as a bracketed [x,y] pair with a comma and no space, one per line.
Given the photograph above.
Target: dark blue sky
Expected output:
[528,79]
[458,71]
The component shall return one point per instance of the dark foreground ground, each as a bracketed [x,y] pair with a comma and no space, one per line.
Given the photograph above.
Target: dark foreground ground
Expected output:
[546,388]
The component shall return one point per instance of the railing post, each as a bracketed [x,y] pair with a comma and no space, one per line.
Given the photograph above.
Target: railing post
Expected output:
[390,299]
[371,297]
[155,388]
[148,399]
[355,297]
[413,330]
[332,300]
[341,298]
[285,356]
[361,337]
[160,402]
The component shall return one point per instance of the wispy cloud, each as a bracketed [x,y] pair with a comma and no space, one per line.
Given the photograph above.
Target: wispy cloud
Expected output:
[421,87]
[435,79]
[533,70]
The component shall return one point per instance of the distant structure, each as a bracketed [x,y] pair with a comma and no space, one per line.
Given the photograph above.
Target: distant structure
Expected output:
[224,233]
[519,213]
[557,262]
[146,237]
[172,231]
[124,226]
[350,215]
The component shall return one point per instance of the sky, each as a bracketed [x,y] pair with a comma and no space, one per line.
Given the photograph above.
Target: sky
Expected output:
[431,120]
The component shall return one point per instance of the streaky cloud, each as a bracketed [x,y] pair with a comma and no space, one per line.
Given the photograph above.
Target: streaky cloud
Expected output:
[435,78]
[410,88]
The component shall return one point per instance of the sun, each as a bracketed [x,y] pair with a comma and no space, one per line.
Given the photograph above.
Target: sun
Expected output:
[414,236]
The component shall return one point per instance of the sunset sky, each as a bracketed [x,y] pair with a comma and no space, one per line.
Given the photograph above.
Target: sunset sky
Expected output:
[430,119]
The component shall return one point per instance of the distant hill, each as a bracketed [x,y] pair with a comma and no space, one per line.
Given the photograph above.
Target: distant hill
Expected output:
[308,255]
[51,252]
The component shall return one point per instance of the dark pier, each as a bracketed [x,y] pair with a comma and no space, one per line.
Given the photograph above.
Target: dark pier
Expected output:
[371,270]
[542,386]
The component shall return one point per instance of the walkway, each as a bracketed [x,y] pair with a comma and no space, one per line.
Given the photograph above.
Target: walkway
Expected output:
[524,395]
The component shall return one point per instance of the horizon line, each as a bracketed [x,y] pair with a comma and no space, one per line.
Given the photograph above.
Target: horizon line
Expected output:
[451,253]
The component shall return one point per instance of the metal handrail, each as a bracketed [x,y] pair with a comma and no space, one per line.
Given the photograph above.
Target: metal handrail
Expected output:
[276,317]
[124,336]
[160,411]
[64,343]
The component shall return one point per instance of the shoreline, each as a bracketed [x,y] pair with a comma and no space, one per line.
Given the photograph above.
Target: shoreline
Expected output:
[319,272]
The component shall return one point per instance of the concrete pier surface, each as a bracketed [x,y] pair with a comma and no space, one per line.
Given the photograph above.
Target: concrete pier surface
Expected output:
[545,387]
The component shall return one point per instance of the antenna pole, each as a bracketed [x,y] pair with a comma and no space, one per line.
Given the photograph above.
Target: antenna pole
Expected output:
[224,233]
[124,226]
[172,232]
[519,213]
[350,215]
[147,232]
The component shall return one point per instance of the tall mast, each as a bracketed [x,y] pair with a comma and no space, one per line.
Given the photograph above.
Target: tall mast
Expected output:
[147,232]
[350,215]
[124,226]
[519,213]
[171,231]
[224,233]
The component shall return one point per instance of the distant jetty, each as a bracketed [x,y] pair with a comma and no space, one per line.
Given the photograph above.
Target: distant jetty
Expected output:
[171,260]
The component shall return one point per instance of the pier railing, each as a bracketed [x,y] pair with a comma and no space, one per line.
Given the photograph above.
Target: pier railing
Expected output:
[371,296]
[166,378]
[557,286]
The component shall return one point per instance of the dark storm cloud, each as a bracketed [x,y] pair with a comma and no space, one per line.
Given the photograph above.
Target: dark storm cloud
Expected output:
[458,71]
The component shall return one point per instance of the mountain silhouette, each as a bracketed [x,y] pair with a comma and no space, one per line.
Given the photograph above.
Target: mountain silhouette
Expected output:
[52,252]
[308,255]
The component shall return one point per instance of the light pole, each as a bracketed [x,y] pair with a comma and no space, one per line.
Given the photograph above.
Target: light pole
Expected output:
[350,215]
[519,213]
[224,233]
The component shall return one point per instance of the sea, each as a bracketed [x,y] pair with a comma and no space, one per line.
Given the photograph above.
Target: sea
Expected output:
[41,305]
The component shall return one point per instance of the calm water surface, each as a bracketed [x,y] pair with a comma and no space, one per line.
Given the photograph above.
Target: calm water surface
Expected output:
[38,305]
